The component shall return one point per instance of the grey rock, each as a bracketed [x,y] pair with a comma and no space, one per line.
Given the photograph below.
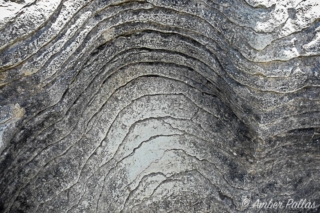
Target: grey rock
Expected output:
[159,106]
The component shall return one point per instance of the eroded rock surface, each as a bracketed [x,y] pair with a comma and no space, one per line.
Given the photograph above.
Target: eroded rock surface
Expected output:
[159,105]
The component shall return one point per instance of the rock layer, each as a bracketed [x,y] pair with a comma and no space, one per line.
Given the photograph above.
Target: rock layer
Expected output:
[158,105]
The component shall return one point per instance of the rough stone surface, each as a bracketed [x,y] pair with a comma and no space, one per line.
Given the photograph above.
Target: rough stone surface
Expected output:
[159,105]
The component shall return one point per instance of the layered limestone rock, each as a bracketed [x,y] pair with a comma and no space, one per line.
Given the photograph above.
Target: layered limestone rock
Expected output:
[159,105]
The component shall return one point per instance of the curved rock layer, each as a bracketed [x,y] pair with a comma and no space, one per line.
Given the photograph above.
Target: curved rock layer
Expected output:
[158,105]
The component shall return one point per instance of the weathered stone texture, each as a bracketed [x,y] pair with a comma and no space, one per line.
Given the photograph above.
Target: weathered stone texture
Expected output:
[158,105]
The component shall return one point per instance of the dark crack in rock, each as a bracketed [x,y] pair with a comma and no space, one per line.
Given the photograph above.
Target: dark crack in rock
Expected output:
[159,106]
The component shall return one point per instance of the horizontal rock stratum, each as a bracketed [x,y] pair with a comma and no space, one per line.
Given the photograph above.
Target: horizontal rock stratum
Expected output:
[159,105]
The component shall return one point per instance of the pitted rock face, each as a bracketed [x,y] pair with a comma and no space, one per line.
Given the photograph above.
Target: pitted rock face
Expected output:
[158,105]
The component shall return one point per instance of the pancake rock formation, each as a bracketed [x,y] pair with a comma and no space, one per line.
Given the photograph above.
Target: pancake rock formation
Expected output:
[159,106]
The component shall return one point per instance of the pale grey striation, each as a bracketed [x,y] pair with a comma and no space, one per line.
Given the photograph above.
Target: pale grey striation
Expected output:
[159,105]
